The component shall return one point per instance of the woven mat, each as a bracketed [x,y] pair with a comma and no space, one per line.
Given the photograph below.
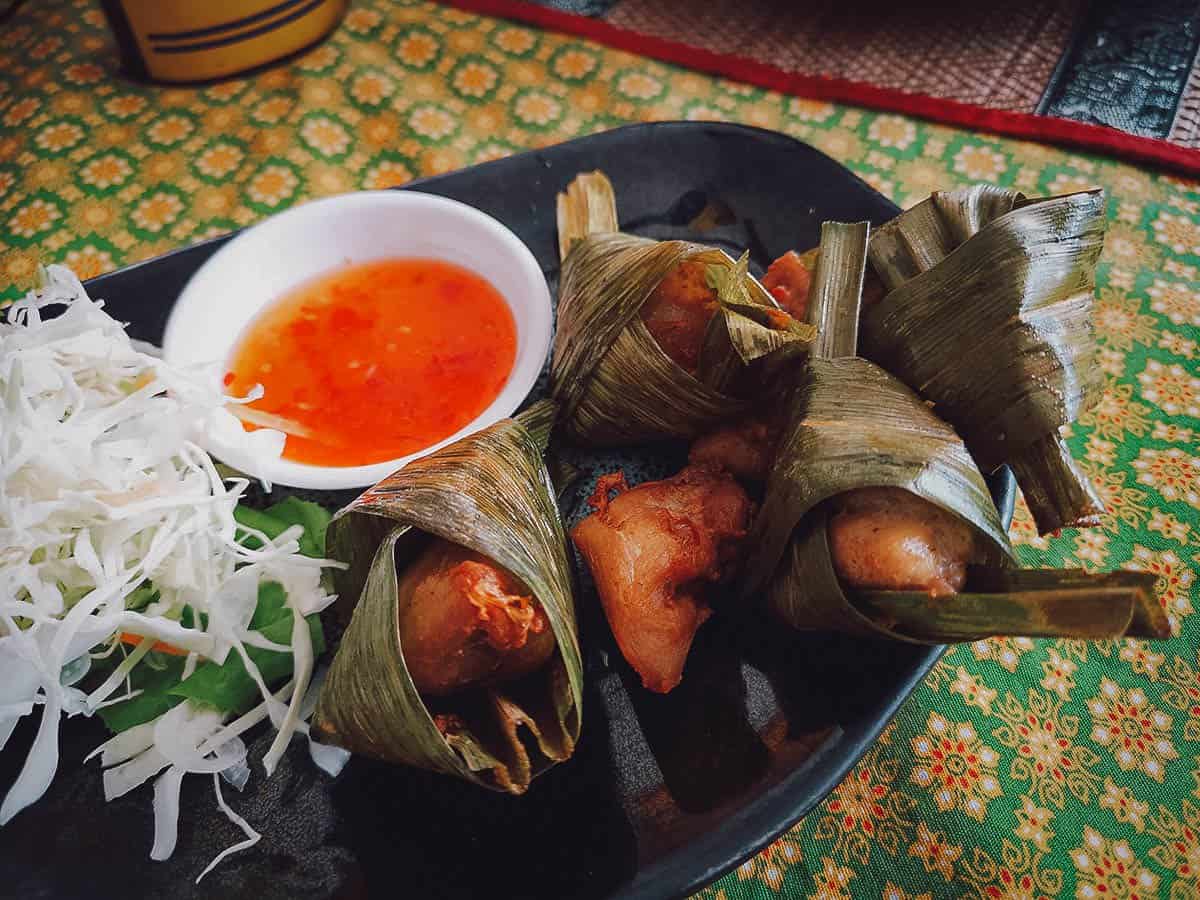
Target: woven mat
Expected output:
[1020,768]
[999,56]
[1104,75]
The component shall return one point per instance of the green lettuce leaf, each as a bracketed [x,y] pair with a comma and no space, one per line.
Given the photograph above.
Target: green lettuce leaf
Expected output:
[274,520]
[154,699]
[228,687]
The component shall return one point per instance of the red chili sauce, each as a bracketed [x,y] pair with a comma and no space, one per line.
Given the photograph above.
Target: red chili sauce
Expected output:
[377,361]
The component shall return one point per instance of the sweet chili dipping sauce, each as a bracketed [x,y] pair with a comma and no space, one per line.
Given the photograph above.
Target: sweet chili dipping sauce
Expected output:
[377,361]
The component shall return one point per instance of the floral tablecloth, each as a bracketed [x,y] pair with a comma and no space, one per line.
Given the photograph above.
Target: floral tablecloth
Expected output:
[1020,768]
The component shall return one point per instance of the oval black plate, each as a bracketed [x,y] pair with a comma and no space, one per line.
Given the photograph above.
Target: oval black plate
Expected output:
[665,793]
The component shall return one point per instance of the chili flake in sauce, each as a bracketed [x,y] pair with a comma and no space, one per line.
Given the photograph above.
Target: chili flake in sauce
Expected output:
[377,361]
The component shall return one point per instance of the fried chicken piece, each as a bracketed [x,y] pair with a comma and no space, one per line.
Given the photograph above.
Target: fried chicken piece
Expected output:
[788,279]
[654,551]
[678,312]
[890,539]
[464,620]
[744,449]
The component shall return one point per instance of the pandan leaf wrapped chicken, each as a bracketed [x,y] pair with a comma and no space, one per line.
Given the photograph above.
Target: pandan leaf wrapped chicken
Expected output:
[988,315]
[876,519]
[461,655]
[655,339]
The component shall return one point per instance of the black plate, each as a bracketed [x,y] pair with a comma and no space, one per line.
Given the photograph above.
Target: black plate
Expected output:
[665,793]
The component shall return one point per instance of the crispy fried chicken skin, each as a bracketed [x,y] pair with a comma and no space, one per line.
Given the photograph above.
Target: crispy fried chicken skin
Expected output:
[464,621]
[744,449]
[678,312]
[890,539]
[654,551]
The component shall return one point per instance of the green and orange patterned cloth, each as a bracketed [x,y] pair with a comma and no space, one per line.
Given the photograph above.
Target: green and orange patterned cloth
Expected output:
[1020,768]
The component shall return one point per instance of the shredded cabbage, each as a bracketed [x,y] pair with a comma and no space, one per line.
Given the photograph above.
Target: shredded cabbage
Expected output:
[104,487]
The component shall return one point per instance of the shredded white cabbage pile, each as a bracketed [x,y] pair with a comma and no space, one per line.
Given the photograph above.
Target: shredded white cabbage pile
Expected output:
[103,484]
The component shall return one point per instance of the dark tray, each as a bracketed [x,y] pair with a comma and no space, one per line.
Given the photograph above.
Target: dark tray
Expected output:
[665,793]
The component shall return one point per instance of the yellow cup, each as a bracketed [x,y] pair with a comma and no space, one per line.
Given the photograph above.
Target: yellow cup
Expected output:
[199,40]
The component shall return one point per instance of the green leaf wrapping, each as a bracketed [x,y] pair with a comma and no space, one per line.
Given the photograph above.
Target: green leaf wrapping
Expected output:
[989,316]
[762,338]
[851,425]
[489,492]
[1050,603]
[614,383]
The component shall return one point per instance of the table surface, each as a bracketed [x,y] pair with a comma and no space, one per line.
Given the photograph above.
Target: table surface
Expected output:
[1019,768]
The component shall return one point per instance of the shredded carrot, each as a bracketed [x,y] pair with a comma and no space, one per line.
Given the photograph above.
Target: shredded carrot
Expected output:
[160,646]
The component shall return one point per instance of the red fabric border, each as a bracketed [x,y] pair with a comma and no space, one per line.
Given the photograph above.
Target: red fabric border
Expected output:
[1048,129]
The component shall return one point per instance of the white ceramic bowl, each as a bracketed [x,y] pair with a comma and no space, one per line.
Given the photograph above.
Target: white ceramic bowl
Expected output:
[265,261]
